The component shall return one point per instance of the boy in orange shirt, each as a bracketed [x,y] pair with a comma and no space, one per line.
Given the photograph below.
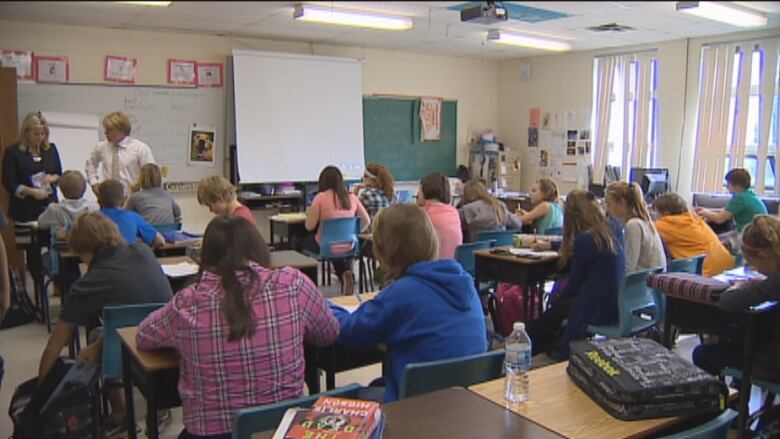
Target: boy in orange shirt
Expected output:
[685,235]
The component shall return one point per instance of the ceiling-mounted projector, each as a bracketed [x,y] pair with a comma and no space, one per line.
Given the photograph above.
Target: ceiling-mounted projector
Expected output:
[485,13]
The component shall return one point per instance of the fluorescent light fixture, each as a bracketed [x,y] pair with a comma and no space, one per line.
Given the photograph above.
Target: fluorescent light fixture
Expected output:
[346,17]
[143,3]
[527,41]
[723,12]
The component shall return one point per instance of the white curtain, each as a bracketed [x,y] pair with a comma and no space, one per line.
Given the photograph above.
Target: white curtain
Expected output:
[605,74]
[767,87]
[641,153]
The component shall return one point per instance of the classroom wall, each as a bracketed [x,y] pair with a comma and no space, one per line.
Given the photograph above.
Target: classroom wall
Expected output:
[566,81]
[473,83]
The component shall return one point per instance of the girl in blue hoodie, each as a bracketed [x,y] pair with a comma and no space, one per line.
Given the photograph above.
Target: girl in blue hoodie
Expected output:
[429,310]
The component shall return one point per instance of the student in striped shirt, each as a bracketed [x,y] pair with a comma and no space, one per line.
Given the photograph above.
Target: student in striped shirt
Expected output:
[240,329]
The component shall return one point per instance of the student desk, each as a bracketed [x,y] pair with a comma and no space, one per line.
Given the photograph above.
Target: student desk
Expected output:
[289,227]
[557,404]
[259,200]
[453,413]
[531,273]
[707,318]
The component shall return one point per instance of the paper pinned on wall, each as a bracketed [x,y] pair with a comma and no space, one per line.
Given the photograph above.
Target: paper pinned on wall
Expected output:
[545,138]
[585,118]
[568,171]
[546,123]
[534,114]
[557,120]
[570,118]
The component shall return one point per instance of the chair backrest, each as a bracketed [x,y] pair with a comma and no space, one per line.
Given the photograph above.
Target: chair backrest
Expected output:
[339,231]
[501,237]
[635,295]
[265,417]
[716,428]
[420,378]
[691,265]
[115,317]
[464,254]
[172,227]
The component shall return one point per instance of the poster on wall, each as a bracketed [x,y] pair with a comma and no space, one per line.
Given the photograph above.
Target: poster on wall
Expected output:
[533,137]
[182,72]
[201,146]
[120,69]
[430,119]
[22,60]
[209,74]
[534,115]
[52,69]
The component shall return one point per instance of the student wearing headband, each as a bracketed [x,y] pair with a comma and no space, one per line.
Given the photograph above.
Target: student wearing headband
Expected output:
[377,191]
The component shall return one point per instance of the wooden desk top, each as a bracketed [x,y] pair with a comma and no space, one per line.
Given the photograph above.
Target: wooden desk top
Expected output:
[279,259]
[150,361]
[512,258]
[452,413]
[259,197]
[558,404]
[289,219]
[352,300]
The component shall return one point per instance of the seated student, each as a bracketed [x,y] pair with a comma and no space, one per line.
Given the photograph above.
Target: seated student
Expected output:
[761,248]
[429,311]
[334,201]
[219,195]
[547,212]
[64,213]
[111,196]
[592,248]
[686,235]
[434,197]
[464,176]
[482,212]
[744,203]
[117,274]
[643,246]
[240,329]
[377,189]
[151,201]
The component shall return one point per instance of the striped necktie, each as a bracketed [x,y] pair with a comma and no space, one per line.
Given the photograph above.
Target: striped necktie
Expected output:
[115,162]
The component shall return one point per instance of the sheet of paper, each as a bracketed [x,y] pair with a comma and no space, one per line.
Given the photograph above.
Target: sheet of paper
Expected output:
[568,171]
[182,269]
[545,138]
[570,118]
[351,308]
[529,252]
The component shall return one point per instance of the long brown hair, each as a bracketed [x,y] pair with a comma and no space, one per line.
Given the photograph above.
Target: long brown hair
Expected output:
[403,236]
[762,233]
[474,190]
[330,178]
[436,186]
[582,214]
[229,243]
[548,188]
[384,180]
[631,194]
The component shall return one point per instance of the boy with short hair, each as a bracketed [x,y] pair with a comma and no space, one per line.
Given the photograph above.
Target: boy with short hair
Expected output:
[744,203]
[111,196]
[63,213]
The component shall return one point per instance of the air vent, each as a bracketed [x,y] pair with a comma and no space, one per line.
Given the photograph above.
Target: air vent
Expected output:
[610,27]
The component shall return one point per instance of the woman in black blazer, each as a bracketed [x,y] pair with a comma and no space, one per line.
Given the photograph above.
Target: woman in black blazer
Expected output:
[31,169]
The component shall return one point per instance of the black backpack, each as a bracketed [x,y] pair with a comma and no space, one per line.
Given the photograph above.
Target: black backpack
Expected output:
[63,406]
[22,310]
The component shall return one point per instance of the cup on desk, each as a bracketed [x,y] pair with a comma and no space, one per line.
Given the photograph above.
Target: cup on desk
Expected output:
[524,240]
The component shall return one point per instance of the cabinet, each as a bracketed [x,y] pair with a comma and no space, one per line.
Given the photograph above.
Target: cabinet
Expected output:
[9,133]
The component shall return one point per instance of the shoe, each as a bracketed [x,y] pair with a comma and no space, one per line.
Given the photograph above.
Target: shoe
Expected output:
[163,420]
[348,283]
[115,426]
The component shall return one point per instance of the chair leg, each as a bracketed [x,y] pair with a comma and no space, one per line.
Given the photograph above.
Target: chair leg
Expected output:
[45,303]
[362,275]
[327,264]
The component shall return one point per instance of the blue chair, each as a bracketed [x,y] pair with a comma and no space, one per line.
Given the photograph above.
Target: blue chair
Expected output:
[501,237]
[772,388]
[115,317]
[336,231]
[172,227]
[634,298]
[266,417]
[691,265]
[716,428]
[420,378]
[464,254]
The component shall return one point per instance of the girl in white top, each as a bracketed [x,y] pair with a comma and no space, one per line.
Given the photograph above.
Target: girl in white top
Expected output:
[643,247]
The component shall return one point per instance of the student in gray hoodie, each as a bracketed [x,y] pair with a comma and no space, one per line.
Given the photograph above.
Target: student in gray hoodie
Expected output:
[61,214]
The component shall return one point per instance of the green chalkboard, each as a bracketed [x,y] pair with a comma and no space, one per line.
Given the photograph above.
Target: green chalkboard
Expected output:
[391,136]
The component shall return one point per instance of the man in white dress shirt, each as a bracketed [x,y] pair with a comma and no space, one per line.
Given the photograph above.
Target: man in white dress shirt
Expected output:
[120,156]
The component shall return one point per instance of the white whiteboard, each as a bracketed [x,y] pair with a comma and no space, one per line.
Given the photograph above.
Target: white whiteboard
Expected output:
[160,116]
[76,133]
[295,114]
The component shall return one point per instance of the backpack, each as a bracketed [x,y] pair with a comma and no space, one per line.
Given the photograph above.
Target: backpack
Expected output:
[22,310]
[63,406]
[511,306]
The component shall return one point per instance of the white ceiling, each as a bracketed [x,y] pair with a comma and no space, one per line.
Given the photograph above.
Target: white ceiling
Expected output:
[437,29]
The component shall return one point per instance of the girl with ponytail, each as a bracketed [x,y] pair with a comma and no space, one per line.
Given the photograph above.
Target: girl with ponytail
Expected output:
[239,328]
[643,247]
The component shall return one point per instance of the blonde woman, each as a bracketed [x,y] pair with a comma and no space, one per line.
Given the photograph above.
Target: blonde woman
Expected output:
[430,309]
[31,169]
[644,249]
[482,212]
[151,201]
[547,212]
[592,249]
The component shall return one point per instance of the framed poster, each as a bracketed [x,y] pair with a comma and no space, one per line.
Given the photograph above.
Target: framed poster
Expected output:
[201,146]
[430,119]
[53,69]
[182,72]
[209,74]
[120,69]
[22,60]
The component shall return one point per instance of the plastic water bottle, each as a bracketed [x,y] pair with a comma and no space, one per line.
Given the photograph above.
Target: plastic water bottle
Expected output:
[518,363]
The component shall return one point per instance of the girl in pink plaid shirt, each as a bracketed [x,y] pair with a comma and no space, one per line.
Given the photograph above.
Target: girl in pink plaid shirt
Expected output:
[240,329]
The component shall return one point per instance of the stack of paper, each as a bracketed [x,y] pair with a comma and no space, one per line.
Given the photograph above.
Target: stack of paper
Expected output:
[182,269]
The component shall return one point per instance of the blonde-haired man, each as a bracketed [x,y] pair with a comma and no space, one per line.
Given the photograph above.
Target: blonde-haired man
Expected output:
[120,156]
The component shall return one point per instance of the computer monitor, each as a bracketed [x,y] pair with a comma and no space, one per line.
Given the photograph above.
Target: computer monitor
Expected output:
[653,181]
